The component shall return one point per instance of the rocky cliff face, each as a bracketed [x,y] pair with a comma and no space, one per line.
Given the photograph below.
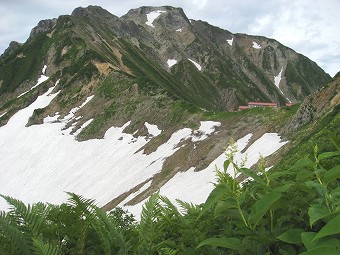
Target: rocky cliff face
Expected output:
[13,46]
[258,62]
[316,105]
[43,27]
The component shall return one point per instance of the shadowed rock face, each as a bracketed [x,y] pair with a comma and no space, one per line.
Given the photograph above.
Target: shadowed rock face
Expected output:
[43,26]
[316,105]
[13,46]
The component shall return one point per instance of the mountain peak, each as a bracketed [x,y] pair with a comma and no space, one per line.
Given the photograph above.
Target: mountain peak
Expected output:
[147,9]
[146,15]
[43,26]
[93,11]
[13,45]
[85,11]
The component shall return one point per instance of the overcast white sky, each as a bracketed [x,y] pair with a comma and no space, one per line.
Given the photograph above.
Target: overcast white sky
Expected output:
[310,27]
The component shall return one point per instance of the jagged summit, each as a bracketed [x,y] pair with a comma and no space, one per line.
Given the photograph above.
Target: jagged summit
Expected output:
[93,11]
[144,10]
[13,45]
[171,16]
[43,26]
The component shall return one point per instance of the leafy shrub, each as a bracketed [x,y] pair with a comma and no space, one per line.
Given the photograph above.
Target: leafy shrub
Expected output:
[281,212]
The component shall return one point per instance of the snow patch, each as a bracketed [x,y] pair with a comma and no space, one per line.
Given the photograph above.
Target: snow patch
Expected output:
[86,123]
[41,79]
[277,79]
[51,119]
[131,196]
[256,45]
[230,41]
[43,71]
[72,112]
[182,186]
[152,129]
[39,163]
[171,62]
[198,66]
[264,146]
[151,16]
[206,128]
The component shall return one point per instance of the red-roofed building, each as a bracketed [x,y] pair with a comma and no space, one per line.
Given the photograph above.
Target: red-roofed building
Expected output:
[261,104]
[243,107]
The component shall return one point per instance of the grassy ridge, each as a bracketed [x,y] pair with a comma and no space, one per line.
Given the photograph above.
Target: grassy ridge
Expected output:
[24,64]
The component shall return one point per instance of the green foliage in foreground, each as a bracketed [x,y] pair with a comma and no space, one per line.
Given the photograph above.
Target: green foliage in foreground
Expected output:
[293,211]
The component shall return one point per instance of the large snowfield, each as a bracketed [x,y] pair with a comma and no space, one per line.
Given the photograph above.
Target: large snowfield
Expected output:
[41,162]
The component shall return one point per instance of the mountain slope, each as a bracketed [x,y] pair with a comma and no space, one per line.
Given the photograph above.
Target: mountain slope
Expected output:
[152,87]
[232,72]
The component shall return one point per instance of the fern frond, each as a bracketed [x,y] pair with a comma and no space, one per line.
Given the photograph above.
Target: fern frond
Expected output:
[99,226]
[84,205]
[41,248]
[77,200]
[168,251]
[169,206]
[11,238]
[30,217]
[188,207]
[148,229]
[118,239]
[151,209]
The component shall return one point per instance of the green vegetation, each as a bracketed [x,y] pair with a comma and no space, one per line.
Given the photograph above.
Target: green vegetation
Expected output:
[81,69]
[307,74]
[269,116]
[72,46]
[269,58]
[149,76]
[325,133]
[24,64]
[113,86]
[14,105]
[291,211]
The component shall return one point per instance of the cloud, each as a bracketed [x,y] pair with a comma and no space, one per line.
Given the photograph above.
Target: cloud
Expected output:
[200,4]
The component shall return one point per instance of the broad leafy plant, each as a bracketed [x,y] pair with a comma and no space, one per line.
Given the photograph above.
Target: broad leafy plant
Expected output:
[287,212]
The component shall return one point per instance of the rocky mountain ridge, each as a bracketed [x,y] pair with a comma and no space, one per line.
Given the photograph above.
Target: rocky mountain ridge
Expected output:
[236,67]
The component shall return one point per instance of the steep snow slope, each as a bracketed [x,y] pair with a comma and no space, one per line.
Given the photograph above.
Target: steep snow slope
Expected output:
[191,186]
[41,162]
